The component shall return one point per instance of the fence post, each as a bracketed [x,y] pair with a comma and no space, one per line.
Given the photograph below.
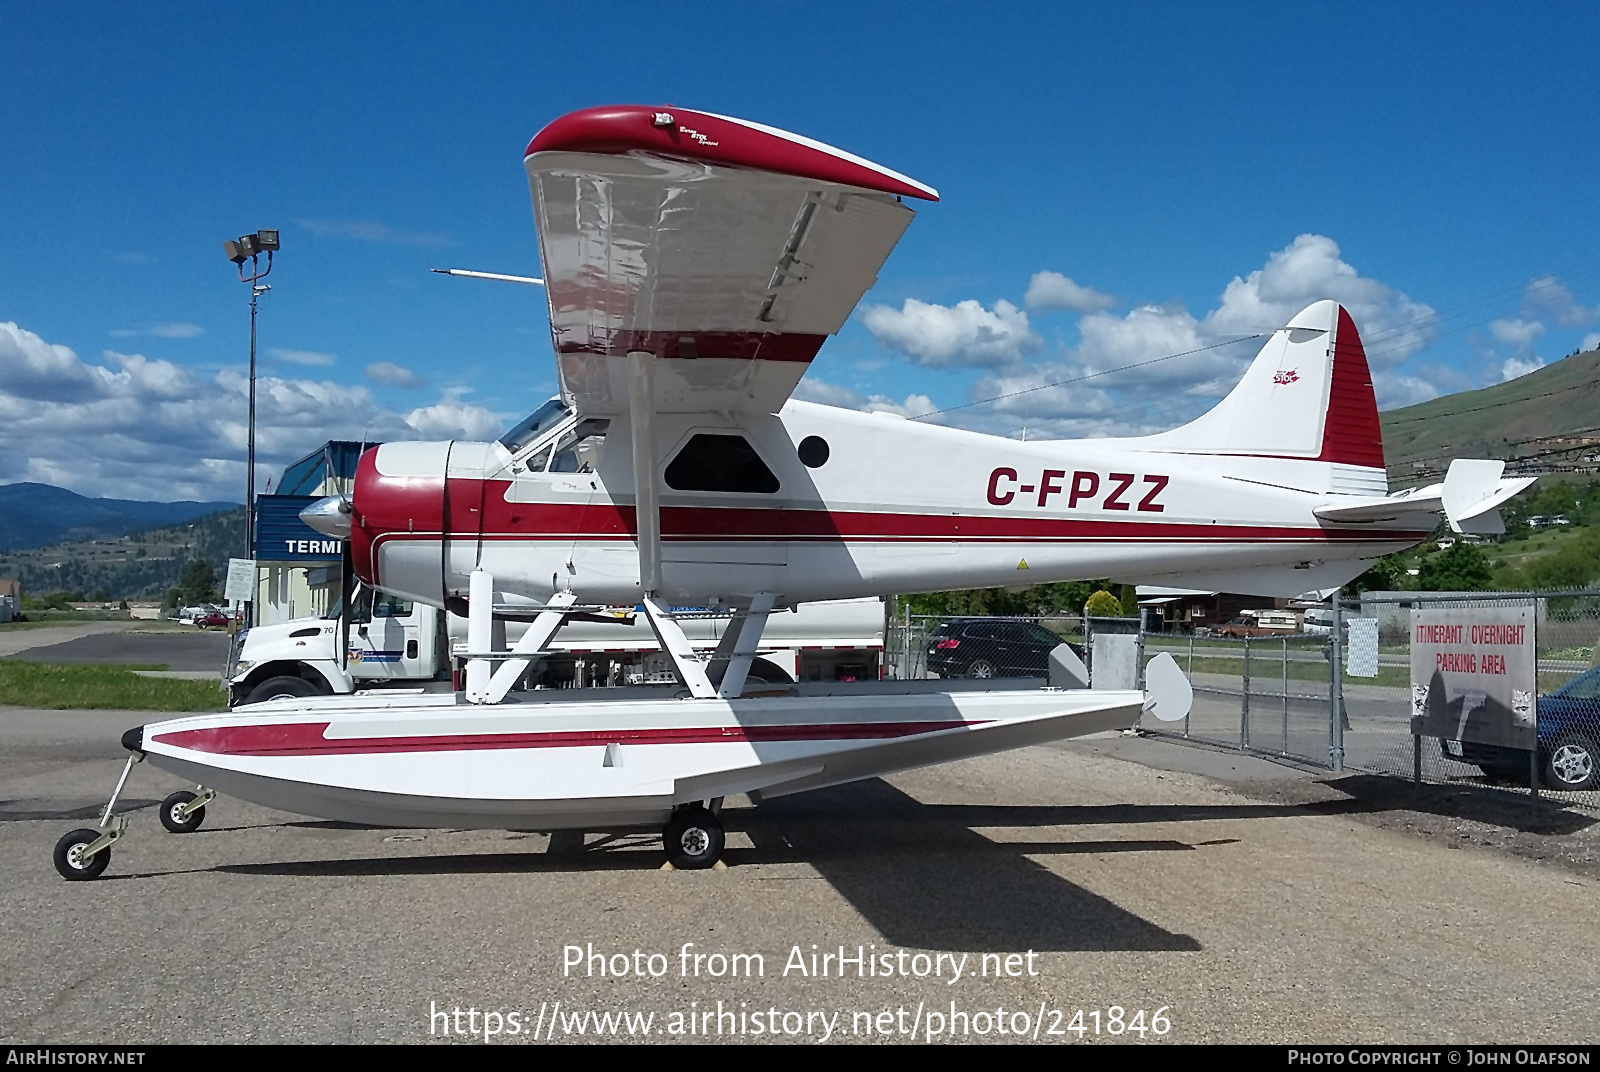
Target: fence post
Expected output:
[1336,687]
[1189,671]
[1285,695]
[1244,700]
[1138,658]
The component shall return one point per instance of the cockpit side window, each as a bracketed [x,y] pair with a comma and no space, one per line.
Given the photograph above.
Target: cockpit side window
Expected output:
[579,451]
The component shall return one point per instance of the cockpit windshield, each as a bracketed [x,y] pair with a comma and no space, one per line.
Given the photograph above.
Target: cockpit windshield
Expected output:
[533,426]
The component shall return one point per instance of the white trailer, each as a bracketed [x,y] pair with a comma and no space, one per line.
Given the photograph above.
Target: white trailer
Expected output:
[395,642]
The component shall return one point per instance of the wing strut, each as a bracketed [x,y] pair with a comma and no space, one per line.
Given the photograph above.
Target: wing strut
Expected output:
[647,523]
[646,500]
[740,645]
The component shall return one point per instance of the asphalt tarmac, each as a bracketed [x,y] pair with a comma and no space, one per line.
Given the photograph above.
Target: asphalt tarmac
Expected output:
[187,650]
[1145,875]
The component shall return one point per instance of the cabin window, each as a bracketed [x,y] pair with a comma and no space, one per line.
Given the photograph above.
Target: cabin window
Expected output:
[814,452]
[720,463]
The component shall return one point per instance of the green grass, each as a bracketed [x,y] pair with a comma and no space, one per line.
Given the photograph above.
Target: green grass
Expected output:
[57,687]
[19,626]
[1265,671]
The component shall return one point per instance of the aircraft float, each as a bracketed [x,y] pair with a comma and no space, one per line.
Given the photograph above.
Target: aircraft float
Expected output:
[694,266]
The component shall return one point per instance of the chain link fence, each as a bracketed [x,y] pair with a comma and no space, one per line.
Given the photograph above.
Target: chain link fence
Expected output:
[1276,693]
[1383,707]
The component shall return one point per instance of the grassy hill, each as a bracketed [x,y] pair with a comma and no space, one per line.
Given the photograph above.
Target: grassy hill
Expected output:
[33,515]
[1534,417]
[139,565]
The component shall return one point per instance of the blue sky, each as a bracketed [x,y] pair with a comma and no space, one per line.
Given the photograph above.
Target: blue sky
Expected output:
[1193,171]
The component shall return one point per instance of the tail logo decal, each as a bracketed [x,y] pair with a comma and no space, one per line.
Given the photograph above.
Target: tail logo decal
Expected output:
[1288,376]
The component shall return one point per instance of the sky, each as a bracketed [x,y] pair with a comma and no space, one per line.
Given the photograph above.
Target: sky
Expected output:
[1118,182]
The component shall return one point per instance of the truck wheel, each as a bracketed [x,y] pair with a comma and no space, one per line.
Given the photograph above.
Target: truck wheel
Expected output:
[282,688]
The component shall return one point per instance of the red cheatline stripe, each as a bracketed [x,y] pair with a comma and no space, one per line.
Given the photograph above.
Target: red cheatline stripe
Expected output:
[408,507]
[307,738]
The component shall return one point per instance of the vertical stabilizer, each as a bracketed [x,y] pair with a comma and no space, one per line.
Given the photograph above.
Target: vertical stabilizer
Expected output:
[1306,397]
[1308,394]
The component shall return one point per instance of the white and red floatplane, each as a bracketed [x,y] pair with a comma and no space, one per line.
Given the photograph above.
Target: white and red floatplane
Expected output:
[694,265]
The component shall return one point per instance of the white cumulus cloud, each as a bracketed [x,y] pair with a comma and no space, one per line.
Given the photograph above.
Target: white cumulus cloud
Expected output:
[1518,366]
[1180,362]
[942,336]
[1549,296]
[1309,269]
[1052,290]
[451,418]
[1516,332]
[135,427]
[812,389]
[1590,341]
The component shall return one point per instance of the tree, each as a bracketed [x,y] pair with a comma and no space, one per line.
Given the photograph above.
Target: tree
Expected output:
[1041,601]
[1103,604]
[1388,574]
[1459,568]
[1130,601]
[198,583]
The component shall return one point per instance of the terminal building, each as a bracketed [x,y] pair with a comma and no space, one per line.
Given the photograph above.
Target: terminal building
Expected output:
[298,570]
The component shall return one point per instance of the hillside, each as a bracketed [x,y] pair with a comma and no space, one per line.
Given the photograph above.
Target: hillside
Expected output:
[33,515]
[1548,418]
[139,565]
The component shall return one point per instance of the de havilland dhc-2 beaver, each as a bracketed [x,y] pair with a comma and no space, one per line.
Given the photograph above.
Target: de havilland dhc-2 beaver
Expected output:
[694,265]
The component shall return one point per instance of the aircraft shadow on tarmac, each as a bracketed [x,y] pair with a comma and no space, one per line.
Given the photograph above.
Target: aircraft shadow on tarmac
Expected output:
[917,872]
[922,874]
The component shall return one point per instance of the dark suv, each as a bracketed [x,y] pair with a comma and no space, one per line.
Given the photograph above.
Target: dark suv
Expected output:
[1569,735]
[991,647]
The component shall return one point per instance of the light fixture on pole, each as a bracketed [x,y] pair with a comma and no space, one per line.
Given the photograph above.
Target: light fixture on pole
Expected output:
[249,248]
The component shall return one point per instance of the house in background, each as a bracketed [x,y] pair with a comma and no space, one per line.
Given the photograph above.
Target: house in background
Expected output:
[1185,610]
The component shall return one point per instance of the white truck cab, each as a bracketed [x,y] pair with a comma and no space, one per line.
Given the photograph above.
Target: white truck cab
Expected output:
[391,640]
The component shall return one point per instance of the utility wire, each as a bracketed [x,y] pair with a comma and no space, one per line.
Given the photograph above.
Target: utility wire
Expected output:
[1088,376]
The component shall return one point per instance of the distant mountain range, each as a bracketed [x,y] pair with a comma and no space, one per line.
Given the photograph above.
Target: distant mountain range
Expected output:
[1548,420]
[35,515]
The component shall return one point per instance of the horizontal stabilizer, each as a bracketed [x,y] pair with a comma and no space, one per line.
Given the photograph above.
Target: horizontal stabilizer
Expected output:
[1468,497]
[1384,508]
[1473,490]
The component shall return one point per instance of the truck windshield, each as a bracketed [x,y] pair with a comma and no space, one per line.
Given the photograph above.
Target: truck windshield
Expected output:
[534,425]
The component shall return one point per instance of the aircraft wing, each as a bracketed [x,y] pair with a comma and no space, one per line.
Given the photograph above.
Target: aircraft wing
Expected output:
[727,250]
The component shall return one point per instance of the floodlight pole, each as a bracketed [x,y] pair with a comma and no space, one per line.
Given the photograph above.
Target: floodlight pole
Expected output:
[256,290]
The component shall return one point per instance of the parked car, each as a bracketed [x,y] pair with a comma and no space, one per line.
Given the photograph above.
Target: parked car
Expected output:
[991,647]
[215,619]
[1569,730]
[188,615]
